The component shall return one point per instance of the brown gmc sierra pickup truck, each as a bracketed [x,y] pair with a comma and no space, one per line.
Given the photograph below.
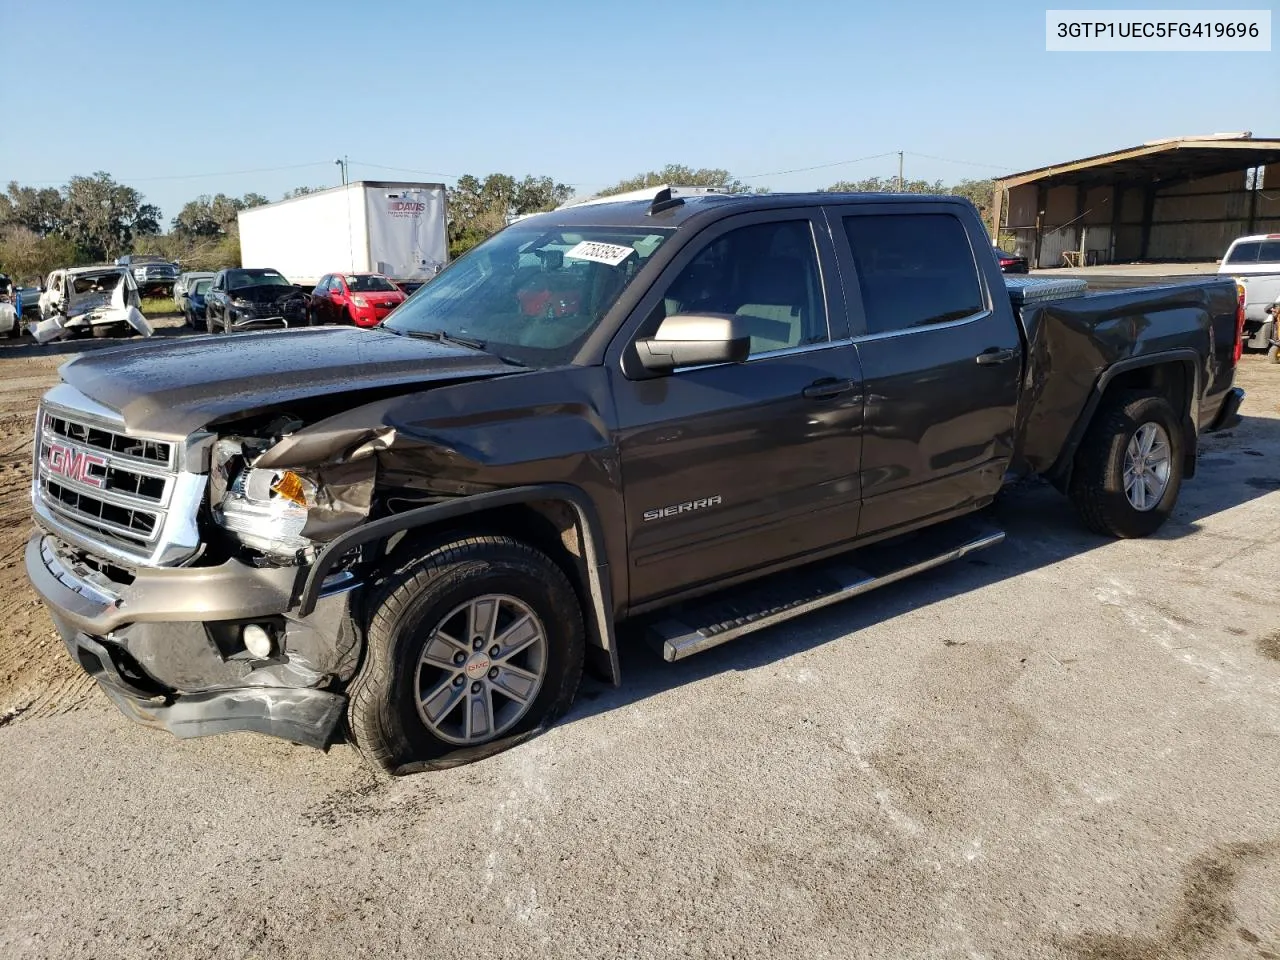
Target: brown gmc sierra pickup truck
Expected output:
[708,414]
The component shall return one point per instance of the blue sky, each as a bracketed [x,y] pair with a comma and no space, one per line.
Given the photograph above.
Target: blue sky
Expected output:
[178,98]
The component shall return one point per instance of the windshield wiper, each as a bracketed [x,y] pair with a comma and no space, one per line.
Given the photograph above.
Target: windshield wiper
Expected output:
[442,336]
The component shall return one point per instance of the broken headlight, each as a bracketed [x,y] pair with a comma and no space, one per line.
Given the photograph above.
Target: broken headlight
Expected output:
[265,510]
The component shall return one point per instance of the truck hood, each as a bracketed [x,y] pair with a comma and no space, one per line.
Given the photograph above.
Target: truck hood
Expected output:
[170,389]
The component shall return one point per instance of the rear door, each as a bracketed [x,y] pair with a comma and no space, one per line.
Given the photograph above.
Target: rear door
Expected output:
[941,361]
[732,467]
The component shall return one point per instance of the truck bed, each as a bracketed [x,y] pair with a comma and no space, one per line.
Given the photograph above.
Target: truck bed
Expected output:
[1073,337]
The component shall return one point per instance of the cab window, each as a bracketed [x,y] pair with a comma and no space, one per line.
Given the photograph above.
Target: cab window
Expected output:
[914,270]
[767,274]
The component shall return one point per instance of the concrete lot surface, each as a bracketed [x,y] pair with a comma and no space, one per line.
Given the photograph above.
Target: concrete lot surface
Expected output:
[1063,747]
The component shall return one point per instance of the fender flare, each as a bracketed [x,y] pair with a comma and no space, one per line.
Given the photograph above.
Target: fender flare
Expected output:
[1061,471]
[600,626]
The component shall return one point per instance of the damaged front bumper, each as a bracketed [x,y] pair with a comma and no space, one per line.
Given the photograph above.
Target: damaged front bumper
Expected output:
[166,647]
[274,322]
[58,326]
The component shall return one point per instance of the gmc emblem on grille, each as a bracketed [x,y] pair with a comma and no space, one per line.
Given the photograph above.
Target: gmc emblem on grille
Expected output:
[74,464]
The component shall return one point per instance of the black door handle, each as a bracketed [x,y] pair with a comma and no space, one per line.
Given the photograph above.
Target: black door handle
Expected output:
[826,389]
[994,355]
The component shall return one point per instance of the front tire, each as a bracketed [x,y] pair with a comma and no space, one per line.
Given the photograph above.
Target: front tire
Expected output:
[1128,470]
[470,647]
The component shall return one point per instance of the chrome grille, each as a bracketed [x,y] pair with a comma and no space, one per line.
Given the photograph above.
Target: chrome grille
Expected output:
[117,496]
[146,451]
[107,484]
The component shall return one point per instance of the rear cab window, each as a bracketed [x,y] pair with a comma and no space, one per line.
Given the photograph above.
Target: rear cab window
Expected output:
[1245,252]
[914,270]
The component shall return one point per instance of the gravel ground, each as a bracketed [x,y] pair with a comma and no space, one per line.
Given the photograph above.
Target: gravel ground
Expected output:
[1062,747]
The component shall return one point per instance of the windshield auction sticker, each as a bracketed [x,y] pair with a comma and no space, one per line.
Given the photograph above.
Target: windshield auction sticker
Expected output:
[610,254]
[1129,31]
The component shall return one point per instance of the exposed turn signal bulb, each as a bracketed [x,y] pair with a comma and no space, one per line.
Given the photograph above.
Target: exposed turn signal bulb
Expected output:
[289,485]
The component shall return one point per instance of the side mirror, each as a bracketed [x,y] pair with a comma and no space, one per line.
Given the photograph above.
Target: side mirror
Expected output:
[691,340]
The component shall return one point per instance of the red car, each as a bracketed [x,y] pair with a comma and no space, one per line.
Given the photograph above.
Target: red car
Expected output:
[363,299]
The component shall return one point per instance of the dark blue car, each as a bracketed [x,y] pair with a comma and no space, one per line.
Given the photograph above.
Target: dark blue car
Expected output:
[194,310]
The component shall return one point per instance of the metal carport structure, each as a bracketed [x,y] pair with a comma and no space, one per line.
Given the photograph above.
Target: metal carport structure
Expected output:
[1178,200]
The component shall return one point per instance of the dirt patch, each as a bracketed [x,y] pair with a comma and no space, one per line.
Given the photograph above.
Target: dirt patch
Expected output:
[37,678]
[371,795]
[1204,917]
[1269,646]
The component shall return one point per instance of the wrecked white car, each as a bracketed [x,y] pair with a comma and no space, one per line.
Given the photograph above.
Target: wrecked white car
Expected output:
[90,301]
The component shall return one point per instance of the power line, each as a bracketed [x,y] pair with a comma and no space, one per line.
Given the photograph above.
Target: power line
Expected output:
[422,173]
[820,166]
[965,163]
[451,176]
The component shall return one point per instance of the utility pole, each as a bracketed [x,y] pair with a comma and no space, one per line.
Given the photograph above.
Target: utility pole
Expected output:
[343,163]
[902,184]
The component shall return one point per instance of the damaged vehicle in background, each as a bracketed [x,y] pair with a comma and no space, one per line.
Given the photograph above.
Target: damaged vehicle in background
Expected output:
[155,276]
[10,308]
[681,412]
[89,301]
[253,299]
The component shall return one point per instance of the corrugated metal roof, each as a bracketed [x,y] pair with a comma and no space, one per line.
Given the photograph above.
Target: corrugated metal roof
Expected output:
[1160,159]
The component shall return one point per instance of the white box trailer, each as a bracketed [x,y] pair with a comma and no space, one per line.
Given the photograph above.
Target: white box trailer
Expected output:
[396,229]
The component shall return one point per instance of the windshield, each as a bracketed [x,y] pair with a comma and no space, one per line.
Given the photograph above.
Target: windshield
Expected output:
[238,279]
[530,293]
[370,284]
[94,282]
[202,286]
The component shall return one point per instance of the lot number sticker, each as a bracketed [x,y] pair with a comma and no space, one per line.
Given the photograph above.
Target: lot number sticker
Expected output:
[610,254]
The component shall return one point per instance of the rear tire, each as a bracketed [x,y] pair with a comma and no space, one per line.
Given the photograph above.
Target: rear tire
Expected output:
[1128,470]
[425,690]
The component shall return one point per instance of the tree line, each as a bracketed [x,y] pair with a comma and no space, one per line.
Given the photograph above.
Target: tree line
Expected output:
[94,219]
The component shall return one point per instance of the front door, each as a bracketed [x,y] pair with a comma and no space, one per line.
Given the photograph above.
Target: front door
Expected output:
[941,361]
[731,467]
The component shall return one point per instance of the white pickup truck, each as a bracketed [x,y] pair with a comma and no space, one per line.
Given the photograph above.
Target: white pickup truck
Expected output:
[1254,262]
